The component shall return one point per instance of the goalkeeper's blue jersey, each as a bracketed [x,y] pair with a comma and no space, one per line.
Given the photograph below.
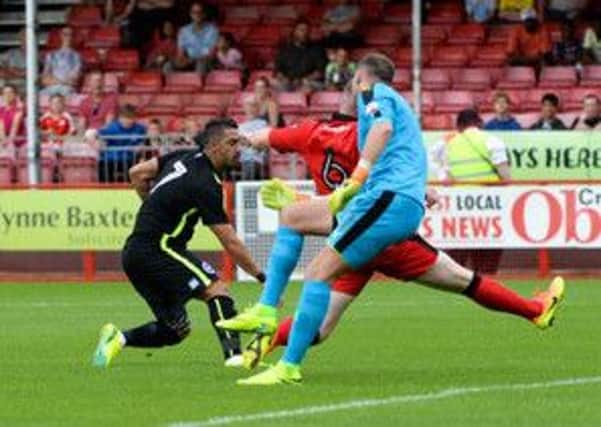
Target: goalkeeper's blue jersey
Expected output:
[402,167]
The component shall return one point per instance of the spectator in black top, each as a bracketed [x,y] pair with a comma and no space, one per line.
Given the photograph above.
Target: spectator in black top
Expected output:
[300,63]
[340,25]
[548,118]
[567,51]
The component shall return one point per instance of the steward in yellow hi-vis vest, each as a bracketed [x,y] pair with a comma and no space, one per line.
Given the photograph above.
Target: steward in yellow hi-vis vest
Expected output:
[470,154]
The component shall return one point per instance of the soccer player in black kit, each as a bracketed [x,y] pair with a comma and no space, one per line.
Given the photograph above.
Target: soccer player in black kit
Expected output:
[178,190]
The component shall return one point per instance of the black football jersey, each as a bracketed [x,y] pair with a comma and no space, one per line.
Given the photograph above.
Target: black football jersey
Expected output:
[186,190]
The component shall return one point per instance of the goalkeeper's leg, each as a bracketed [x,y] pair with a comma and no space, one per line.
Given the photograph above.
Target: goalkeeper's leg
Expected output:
[305,217]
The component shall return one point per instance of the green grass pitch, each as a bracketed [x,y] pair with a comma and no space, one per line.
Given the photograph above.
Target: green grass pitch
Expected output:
[422,357]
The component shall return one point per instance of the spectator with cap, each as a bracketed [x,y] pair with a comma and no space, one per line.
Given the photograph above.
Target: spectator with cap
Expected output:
[13,63]
[62,68]
[530,42]
[548,119]
[472,155]
[196,41]
[120,138]
[503,120]
[12,127]
[300,63]
[591,114]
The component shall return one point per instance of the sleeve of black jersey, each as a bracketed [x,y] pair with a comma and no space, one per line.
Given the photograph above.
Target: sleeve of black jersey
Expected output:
[167,158]
[211,206]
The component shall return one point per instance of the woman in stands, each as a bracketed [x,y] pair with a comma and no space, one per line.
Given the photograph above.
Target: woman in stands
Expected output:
[164,46]
[268,105]
[12,129]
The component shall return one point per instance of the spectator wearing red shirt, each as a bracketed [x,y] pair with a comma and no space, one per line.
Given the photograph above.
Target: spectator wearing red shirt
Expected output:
[163,48]
[530,42]
[57,122]
[12,129]
[99,108]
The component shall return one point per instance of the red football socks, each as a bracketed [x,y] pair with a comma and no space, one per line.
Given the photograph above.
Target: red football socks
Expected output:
[494,296]
[280,338]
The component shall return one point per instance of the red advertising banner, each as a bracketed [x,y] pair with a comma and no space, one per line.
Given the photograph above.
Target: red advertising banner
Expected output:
[545,216]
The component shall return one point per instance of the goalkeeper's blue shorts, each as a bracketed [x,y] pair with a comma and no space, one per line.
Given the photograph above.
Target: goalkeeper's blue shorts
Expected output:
[371,222]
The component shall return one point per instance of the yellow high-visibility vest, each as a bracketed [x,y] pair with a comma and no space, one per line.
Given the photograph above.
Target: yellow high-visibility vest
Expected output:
[468,157]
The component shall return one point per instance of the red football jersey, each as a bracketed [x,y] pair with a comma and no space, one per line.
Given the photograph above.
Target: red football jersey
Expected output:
[328,147]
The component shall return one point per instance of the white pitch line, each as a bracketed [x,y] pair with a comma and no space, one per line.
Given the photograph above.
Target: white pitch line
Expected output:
[393,400]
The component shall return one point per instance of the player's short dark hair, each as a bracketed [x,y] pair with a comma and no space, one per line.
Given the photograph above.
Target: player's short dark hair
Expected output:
[467,118]
[550,98]
[378,65]
[128,111]
[213,131]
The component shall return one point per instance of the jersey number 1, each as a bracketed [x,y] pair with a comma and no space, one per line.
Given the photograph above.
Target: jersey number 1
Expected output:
[178,170]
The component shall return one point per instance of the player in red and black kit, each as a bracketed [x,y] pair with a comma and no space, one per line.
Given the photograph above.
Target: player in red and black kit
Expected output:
[330,150]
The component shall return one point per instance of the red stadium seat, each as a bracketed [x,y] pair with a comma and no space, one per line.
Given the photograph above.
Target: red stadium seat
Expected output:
[437,122]
[428,100]
[182,82]
[490,55]
[163,104]
[499,34]
[105,37]
[265,36]
[397,14]
[358,54]
[257,74]
[435,79]
[90,58]
[260,57]
[531,101]
[223,81]
[325,102]
[280,15]
[526,119]
[238,31]
[47,166]
[591,76]
[383,35]
[286,166]
[433,34]
[292,102]
[122,60]
[445,13]
[243,15]
[7,165]
[517,78]
[207,103]
[402,79]
[84,16]
[144,82]
[451,56]
[472,79]
[558,77]
[466,34]
[79,163]
[137,100]
[453,101]
[403,57]
[574,97]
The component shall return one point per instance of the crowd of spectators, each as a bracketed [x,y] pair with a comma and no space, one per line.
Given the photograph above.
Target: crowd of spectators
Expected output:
[302,62]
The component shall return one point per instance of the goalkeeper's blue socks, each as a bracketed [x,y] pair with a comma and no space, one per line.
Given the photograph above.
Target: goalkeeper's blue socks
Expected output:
[284,256]
[309,316]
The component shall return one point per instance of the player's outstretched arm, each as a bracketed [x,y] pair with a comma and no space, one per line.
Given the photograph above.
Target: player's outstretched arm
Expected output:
[234,246]
[378,136]
[260,138]
[141,176]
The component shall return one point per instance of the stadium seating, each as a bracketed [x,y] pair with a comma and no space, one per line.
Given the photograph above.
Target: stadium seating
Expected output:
[591,76]
[324,102]
[137,100]
[163,104]
[403,57]
[472,79]
[451,56]
[526,119]
[489,55]
[223,81]
[7,164]
[47,166]
[242,15]
[265,35]
[122,60]
[517,78]
[85,16]
[445,13]
[91,58]
[466,34]
[281,15]
[573,97]
[206,103]
[182,82]
[453,101]
[568,117]
[435,79]
[111,83]
[437,121]
[402,79]
[104,37]
[500,34]
[397,14]
[433,34]
[383,35]
[558,77]
[144,82]
[292,102]
[79,163]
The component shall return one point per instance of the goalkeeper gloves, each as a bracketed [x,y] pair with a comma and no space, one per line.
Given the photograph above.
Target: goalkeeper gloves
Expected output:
[339,198]
[276,194]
